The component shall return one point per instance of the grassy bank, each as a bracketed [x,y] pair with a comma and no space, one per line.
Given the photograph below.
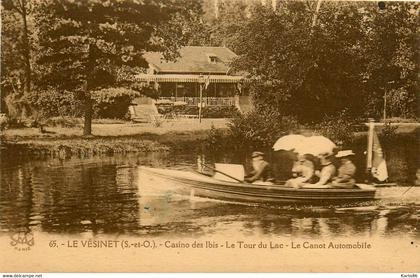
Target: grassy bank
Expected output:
[116,129]
[114,137]
[108,138]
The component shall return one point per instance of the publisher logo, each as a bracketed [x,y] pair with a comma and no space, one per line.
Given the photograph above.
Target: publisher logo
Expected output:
[22,241]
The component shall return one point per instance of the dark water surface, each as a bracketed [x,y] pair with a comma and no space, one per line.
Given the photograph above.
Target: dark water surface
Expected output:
[104,195]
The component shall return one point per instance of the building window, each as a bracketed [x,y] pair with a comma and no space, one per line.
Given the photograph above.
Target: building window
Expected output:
[212,58]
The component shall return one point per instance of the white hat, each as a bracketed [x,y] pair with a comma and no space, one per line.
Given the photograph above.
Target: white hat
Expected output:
[257,154]
[344,153]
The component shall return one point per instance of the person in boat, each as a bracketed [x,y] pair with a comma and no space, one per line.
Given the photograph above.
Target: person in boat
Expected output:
[261,169]
[346,171]
[303,171]
[328,170]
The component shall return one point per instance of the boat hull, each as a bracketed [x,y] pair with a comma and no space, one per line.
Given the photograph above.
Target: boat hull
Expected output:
[203,186]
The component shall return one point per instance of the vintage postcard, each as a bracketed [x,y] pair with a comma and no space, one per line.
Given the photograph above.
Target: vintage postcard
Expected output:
[209,136]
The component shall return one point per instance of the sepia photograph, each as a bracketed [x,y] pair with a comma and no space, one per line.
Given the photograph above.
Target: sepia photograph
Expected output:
[209,136]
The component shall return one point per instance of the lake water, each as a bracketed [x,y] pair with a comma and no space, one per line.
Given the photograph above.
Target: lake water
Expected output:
[103,195]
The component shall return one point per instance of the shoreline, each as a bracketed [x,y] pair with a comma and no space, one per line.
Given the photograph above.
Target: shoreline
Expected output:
[108,139]
[121,138]
[107,145]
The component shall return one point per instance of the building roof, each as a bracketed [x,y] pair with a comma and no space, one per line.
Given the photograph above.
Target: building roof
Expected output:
[193,59]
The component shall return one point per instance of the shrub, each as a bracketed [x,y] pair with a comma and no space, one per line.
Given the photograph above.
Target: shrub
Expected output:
[206,112]
[399,120]
[339,129]
[14,123]
[216,140]
[388,132]
[220,112]
[113,103]
[403,101]
[16,107]
[260,129]
[33,109]
[50,102]
[177,110]
[147,90]
[3,121]
[41,105]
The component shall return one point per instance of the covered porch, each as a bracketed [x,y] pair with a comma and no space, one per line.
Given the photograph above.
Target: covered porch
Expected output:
[218,90]
[194,101]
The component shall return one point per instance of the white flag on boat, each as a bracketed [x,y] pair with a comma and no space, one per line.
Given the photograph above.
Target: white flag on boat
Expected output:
[379,169]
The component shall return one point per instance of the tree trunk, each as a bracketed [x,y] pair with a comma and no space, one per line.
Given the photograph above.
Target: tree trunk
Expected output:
[314,18]
[27,52]
[87,129]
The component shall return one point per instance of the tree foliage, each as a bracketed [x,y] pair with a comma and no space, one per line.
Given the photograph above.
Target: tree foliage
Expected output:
[50,102]
[19,11]
[339,129]
[87,45]
[392,47]
[17,45]
[186,25]
[225,29]
[260,129]
[113,102]
[347,60]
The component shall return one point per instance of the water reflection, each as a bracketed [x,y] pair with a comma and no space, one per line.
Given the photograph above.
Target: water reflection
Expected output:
[105,196]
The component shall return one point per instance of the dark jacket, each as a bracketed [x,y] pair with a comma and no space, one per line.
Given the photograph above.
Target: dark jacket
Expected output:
[263,173]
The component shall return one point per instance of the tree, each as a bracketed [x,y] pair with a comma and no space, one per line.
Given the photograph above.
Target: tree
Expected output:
[186,26]
[11,61]
[90,45]
[201,27]
[333,81]
[23,8]
[318,70]
[392,70]
[225,29]
[17,45]
[274,49]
